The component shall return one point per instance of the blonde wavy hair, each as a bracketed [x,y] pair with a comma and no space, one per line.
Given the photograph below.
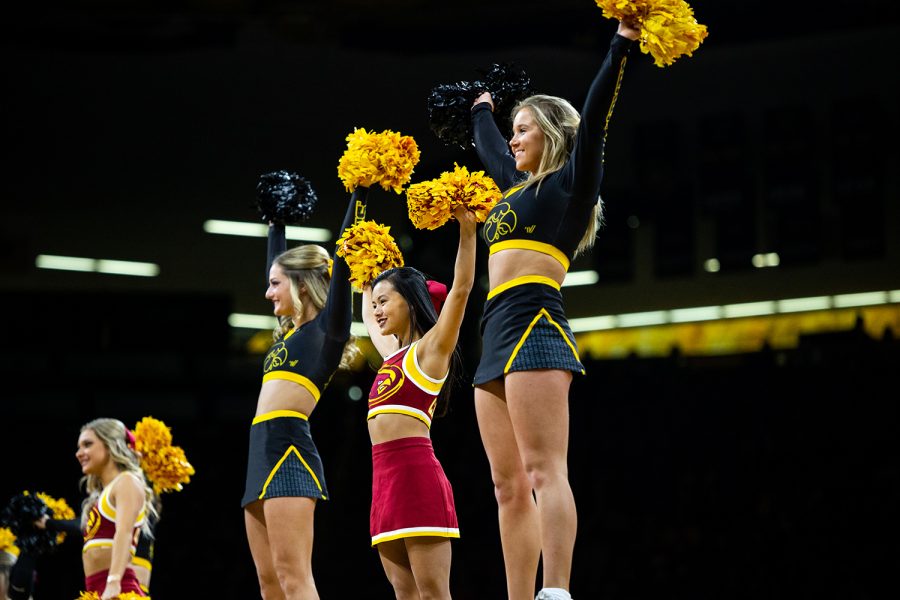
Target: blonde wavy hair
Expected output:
[308,266]
[112,433]
[558,121]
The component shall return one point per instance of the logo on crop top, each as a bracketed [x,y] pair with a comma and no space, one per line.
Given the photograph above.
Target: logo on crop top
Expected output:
[388,382]
[93,523]
[502,221]
[276,357]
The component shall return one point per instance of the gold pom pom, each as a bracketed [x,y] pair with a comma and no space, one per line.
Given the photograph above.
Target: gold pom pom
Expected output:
[165,465]
[668,28]
[385,158]
[60,509]
[369,249]
[151,435]
[8,541]
[167,469]
[431,203]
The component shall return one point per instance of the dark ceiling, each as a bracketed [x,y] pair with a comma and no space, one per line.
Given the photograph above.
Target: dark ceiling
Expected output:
[128,124]
[408,26]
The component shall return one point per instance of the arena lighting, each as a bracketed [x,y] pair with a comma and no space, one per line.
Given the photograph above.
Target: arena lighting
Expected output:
[803,304]
[700,313]
[654,317]
[246,321]
[64,263]
[732,311]
[660,317]
[260,322]
[770,259]
[125,267]
[292,232]
[749,309]
[863,299]
[711,265]
[594,323]
[94,265]
[581,278]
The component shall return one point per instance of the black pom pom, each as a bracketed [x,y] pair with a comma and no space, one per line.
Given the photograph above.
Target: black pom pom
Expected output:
[284,198]
[508,83]
[19,515]
[450,112]
[450,105]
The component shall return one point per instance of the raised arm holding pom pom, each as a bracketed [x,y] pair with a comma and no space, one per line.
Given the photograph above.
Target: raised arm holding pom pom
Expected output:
[285,476]
[551,170]
[414,323]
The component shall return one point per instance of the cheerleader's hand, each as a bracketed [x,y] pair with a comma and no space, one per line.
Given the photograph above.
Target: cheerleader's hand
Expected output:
[484,97]
[628,30]
[466,220]
[113,589]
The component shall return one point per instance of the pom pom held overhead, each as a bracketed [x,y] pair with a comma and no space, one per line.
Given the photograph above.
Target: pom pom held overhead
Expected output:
[285,198]
[450,105]
[385,158]
[432,203]
[668,29]
[369,249]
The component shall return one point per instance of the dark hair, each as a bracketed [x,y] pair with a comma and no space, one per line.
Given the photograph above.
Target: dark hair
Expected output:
[412,285]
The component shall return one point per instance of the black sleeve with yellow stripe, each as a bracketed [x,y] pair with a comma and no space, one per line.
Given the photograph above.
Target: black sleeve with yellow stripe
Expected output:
[583,172]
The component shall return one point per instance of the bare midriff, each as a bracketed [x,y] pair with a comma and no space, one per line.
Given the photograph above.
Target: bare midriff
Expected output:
[511,263]
[388,427]
[96,559]
[281,394]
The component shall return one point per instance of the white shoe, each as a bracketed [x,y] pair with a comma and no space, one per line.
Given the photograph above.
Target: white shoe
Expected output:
[553,594]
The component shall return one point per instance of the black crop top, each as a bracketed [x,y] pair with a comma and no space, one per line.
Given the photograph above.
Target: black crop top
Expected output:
[309,355]
[553,219]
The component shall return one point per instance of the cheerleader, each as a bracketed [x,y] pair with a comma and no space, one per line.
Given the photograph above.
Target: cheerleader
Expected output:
[549,213]
[285,477]
[413,516]
[115,513]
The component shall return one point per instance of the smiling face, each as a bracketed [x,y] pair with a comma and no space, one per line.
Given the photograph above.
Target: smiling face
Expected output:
[527,143]
[92,453]
[391,310]
[279,292]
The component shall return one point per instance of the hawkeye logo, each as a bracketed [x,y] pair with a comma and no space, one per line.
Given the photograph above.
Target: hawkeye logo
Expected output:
[387,383]
[276,357]
[502,221]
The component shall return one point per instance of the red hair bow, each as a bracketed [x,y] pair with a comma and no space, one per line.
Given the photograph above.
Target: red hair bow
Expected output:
[129,438]
[438,293]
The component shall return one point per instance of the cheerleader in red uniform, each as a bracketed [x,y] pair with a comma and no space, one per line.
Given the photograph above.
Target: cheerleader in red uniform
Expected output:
[413,516]
[115,512]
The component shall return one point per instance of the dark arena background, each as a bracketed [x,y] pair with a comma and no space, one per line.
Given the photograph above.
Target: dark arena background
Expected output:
[736,435]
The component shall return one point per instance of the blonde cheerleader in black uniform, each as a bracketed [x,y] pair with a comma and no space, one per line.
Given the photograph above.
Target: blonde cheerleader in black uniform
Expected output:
[285,476]
[548,214]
